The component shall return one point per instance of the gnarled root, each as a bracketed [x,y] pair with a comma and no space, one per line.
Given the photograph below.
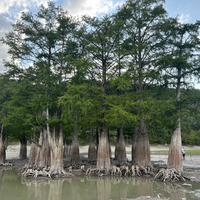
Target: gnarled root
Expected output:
[94,171]
[169,175]
[34,171]
[124,170]
[135,170]
[139,170]
[6,164]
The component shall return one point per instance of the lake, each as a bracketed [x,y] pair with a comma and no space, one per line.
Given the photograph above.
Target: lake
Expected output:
[12,187]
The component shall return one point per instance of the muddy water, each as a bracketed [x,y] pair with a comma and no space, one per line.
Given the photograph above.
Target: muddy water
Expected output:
[12,187]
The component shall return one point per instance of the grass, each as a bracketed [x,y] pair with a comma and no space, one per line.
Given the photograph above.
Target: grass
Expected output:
[165,151]
[187,151]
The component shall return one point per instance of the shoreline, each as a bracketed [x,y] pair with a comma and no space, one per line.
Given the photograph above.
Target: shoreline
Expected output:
[191,166]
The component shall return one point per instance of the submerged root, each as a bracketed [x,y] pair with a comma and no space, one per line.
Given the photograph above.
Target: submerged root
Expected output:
[169,175]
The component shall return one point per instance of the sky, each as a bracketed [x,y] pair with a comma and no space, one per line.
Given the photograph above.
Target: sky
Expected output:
[10,11]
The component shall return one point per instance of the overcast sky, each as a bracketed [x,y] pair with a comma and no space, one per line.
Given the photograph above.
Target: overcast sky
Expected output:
[10,10]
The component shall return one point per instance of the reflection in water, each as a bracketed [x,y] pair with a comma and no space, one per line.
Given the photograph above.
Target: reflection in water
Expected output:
[103,188]
[88,188]
[176,191]
[55,192]
[142,187]
[1,182]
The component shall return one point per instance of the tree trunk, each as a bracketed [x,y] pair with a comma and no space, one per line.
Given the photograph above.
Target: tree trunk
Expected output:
[23,148]
[141,145]
[117,142]
[134,144]
[92,152]
[2,151]
[120,149]
[97,137]
[110,152]
[2,147]
[75,156]
[175,149]
[56,148]
[38,149]
[33,149]
[175,153]
[66,148]
[69,148]
[103,154]
[44,155]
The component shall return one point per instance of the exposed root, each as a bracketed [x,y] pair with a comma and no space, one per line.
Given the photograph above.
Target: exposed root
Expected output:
[138,171]
[33,171]
[7,164]
[93,171]
[132,171]
[169,175]
[124,170]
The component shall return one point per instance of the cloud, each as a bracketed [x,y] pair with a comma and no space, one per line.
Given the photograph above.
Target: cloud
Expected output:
[10,11]
[7,6]
[91,7]
[184,18]
[3,55]
[5,26]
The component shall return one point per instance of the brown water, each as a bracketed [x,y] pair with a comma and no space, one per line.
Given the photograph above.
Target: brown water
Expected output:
[12,187]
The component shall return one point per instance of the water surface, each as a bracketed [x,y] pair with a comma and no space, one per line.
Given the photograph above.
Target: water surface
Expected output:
[12,187]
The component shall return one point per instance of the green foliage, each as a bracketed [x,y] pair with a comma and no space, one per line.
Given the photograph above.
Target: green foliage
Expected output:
[103,72]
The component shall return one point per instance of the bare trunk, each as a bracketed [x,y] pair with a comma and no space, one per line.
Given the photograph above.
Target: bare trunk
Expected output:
[66,148]
[103,154]
[117,143]
[141,145]
[23,148]
[110,152]
[56,149]
[120,149]
[69,148]
[38,149]
[44,156]
[2,151]
[175,153]
[2,146]
[97,137]
[75,156]
[33,149]
[56,159]
[92,152]
[134,144]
